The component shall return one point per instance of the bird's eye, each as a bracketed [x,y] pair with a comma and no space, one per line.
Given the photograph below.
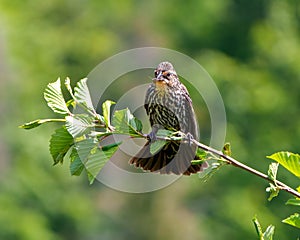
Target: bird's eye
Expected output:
[155,73]
[167,74]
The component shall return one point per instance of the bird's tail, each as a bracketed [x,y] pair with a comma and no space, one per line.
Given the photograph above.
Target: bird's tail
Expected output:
[173,158]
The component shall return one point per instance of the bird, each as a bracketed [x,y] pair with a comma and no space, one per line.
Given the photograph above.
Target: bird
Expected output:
[169,106]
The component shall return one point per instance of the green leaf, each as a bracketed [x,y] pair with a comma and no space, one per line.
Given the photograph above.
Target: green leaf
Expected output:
[293,220]
[106,111]
[91,177]
[93,156]
[108,147]
[99,158]
[156,146]
[84,149]
[60,143]
[98,134]
[124,122]
[293,201]
[138,124]
[38,122]
[273,190]
[258,227]
[164,133]
[55,99]
[268,234]
[82,95]
[76,165]
[71,102]
[79,124]
[290,161]
[209,172]
[272,171]
[68,86]
[227,149]
[197,162]
[201,154]
[100,118]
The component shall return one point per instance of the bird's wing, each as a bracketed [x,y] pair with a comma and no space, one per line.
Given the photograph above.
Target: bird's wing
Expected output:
[147,99]
[191,120]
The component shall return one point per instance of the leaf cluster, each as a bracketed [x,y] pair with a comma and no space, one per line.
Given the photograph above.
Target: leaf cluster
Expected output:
[81,138]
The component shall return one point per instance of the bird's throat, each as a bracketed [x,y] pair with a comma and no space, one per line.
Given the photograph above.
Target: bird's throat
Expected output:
[160,84]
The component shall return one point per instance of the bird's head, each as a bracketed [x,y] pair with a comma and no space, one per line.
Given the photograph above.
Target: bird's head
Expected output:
[165,74]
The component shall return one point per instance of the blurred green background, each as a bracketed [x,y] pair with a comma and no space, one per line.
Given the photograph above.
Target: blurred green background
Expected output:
[250,48]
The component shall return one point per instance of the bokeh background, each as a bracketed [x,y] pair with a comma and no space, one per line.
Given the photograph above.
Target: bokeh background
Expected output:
[250,48]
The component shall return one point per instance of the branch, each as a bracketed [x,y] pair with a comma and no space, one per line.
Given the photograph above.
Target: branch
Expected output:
[238,164]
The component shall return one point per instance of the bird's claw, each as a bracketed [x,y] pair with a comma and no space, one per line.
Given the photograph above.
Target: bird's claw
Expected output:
[189,138]
[152,136]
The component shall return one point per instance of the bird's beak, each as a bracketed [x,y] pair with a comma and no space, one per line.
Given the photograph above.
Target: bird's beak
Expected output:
[159,78]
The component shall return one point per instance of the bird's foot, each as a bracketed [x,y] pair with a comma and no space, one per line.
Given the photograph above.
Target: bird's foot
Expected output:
[189,138]
[152,136]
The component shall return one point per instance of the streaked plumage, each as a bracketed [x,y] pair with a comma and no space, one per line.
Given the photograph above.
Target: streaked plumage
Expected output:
[169,106]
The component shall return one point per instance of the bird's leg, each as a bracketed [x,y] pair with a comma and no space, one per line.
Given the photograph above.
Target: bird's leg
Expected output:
[152,134]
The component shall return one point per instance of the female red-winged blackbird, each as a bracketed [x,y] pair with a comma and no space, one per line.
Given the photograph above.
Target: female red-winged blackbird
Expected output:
[169,106]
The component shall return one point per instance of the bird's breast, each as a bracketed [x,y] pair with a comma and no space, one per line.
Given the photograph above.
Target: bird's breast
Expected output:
[164,107]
